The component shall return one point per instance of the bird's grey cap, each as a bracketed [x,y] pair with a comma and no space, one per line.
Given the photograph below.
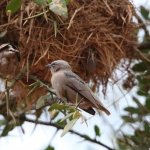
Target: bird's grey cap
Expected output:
[57,62]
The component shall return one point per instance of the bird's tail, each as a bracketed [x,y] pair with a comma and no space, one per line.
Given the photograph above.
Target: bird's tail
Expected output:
[104,109]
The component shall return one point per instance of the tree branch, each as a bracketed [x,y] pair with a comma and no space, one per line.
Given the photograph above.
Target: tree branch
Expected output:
[143,26]
[59,127]
[144,45]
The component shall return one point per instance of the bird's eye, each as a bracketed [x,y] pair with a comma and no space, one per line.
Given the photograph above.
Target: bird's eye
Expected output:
[53,65]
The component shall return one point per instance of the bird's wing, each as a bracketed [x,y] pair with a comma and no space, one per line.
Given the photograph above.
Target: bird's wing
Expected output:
[77,84]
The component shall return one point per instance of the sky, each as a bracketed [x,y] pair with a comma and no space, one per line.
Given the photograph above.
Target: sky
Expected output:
[42,135]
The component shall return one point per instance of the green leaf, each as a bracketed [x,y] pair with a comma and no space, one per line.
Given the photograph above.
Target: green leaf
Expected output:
[61,107]
[49,148]
[59,7]
[7,128]
[67,1]
[142,92]
[97,130]
[13,6]
[147,127]
[137,140]
[140,67]
[132,110]
[144,12]
[33,85]
[127,119]
[60,124]
[42,101]
[3,122]
[3,33]
[68,126]
[40,2]
[66,117]
[136,101]
[147,103]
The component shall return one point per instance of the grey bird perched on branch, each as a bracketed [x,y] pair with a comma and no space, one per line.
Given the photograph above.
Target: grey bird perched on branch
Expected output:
[67,84]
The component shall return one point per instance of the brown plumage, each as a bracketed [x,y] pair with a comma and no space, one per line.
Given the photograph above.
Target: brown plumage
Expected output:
[67,84]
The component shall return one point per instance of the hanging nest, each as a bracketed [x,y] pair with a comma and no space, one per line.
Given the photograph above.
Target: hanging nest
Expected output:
[97,35]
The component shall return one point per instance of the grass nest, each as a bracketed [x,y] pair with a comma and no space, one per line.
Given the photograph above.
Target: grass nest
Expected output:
[97,35]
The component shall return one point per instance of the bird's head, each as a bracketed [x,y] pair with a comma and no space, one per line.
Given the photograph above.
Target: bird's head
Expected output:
[58,65]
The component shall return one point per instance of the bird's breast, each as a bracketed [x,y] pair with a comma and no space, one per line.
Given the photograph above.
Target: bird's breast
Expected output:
[58,83]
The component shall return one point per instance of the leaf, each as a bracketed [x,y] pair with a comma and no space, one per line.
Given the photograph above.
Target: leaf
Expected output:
[59,7]
[60,124]
[40,2]
[127,119]
[3,122]
[66,117]
[144,12]
[41,101]
[76,114]
[97,130]
[136,101]
[3,33]
[132,110]
[68,126]
[140,67]
[13,6]
[147,127]
[67,1]
[7,128]
[49,148]
[142,92]
[61,107]
[147,103]
[53,114]
[33,85]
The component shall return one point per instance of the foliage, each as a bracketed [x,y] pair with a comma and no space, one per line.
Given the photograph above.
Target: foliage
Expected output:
[57,6]
[137,118]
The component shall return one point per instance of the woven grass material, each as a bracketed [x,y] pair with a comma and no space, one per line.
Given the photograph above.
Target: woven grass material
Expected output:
[99,31]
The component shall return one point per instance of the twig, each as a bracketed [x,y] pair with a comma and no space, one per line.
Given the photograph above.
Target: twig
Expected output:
[71,20]
[144,45]
[36,79]
[143,26]
[36,15]
[7,96]
[71,131]
[142,56]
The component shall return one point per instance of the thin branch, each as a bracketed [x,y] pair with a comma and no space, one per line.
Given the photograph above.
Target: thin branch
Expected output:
[59,127]
[143,26]
[144,45]
[142,56]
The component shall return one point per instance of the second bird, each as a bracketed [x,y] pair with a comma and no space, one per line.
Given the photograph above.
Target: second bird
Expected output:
[67,84]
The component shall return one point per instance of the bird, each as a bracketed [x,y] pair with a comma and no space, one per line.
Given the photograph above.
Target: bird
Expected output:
[9,59]
[67,85]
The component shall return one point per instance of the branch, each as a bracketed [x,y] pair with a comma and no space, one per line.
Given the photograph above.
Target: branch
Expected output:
[59,127]
[143,26]
[144,45]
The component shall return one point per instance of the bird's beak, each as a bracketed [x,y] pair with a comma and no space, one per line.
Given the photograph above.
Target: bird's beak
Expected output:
[48,66]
